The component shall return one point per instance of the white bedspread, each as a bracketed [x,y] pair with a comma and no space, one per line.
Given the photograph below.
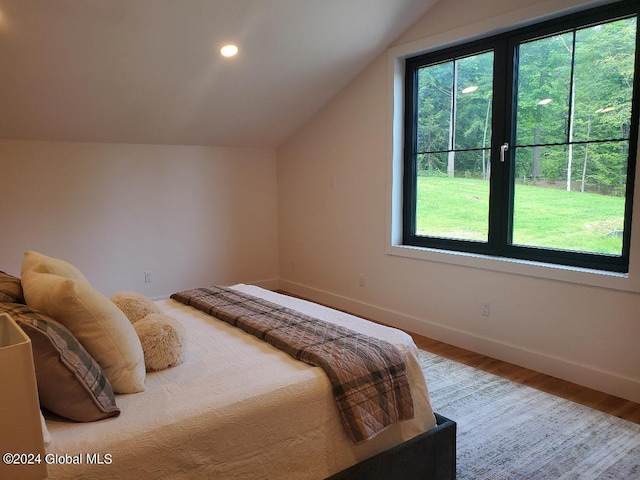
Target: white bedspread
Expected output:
[237,408]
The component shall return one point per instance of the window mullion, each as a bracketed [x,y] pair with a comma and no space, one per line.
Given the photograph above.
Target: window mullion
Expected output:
[499,187]
[572,107]
[410,160]
[452,121]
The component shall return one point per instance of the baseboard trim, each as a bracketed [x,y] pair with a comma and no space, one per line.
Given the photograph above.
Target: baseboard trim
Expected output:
[603,381]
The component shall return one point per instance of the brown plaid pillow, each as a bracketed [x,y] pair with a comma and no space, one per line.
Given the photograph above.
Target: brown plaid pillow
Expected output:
[70,382]
[10,289]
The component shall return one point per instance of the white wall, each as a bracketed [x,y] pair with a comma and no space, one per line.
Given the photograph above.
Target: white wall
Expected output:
[333,187]
[193,216]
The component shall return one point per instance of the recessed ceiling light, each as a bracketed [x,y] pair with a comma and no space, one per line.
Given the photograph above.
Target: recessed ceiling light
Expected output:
[545,101]
[229,50]
[470,89]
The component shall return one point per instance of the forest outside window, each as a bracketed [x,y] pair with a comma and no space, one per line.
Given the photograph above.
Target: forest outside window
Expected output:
[524,145]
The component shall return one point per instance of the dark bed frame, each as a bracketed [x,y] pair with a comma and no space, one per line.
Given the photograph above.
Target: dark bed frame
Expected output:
[429,456]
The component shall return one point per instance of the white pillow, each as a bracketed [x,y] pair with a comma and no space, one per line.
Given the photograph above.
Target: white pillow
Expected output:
[46,436]
[100,326]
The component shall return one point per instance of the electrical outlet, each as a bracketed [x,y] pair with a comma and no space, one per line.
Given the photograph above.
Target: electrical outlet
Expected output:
[486,309]
[147,277]
[361,280]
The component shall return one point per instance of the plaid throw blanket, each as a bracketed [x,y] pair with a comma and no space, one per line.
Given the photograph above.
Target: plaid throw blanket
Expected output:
[367,374]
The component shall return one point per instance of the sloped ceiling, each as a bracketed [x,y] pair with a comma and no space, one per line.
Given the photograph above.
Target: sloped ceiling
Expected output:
[149,71]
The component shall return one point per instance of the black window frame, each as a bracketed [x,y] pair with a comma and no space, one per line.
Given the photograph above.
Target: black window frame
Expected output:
[501,180]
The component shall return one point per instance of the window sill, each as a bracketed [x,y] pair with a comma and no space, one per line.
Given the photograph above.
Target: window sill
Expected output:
[545,271]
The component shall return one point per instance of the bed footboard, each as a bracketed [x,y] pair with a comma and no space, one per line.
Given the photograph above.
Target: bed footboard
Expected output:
[429,456]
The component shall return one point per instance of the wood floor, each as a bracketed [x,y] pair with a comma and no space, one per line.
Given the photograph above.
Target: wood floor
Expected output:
[586,396]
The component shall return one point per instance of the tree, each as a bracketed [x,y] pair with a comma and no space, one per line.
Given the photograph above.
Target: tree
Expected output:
[573,89]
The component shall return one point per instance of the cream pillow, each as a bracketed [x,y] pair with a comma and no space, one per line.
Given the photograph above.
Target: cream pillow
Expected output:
[101,327]
[37,262]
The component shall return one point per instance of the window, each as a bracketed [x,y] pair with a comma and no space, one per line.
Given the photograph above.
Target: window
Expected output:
[523,145]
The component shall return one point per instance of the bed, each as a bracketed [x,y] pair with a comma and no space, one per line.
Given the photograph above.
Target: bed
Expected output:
[238,408]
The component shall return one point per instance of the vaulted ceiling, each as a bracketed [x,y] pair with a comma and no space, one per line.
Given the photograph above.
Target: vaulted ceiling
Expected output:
[149,71]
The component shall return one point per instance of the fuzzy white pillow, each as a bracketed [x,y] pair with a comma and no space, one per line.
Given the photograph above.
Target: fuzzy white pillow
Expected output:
[163,341]
[134,305]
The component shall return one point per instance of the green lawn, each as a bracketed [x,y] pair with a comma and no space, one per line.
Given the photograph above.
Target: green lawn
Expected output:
[544,217]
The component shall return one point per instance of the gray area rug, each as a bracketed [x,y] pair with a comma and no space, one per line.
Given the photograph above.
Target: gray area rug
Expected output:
[507,430]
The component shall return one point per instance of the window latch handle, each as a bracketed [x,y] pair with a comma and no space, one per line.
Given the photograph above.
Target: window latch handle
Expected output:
[503,148]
